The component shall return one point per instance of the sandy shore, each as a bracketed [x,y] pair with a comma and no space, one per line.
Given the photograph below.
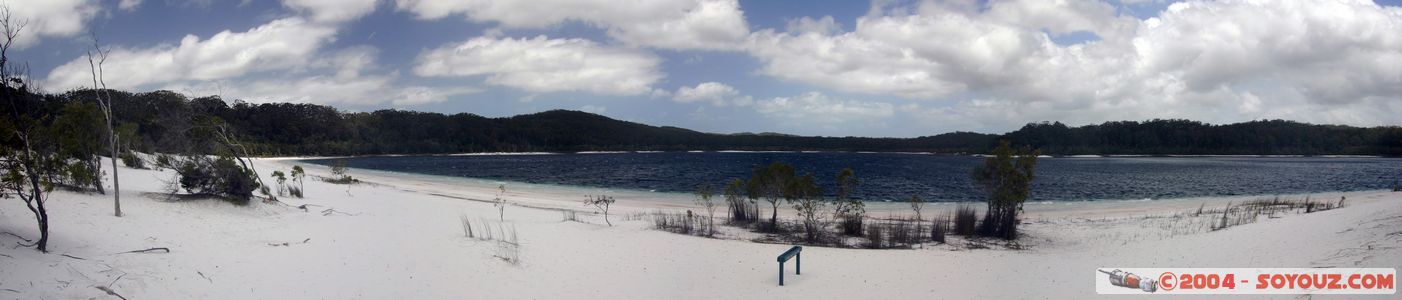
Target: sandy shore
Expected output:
[400,236]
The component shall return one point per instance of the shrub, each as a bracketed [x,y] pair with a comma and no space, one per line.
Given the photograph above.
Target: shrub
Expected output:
[807,200]
[965,220]
[298,176]
[131,160]
[851,212]
[222,177]
[704,195]
[602,203]
[165,162]
[999,223]
[338,173]
[281,182]
[917,205]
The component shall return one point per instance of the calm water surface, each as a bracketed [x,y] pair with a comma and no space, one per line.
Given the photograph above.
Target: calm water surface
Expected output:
[888,176]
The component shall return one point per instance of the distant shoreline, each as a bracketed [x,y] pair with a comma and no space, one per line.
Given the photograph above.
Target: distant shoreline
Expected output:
[831,151]
[565,194]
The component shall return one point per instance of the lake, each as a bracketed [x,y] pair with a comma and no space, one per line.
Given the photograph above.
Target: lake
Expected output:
[894,176]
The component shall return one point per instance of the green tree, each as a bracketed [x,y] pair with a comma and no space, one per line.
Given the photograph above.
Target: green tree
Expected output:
[852,212]
[917,205]
[806,196]
[78,136]
[281,182]
[1006,177]
[772,183]
[299,176]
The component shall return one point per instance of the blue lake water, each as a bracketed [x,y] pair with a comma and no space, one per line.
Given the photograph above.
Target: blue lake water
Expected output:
[890,176]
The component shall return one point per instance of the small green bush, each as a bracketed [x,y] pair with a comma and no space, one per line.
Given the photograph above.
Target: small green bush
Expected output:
[131,160]
[338,173]
[222,177]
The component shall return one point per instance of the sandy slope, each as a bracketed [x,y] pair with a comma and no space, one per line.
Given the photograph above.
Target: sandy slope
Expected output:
[401,238]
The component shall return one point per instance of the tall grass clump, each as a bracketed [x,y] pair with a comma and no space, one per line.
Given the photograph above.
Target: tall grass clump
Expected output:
[939,227]
[876,237]
[965,220]
[508,245]
[904,233]
[683,223]
[742,209]
[569,216]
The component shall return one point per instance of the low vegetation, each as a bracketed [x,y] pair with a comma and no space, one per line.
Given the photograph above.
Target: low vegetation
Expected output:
[704,194]
[740,204]
[222,176]
[841,220]
[939,228]
[508,245]
[683,223]
[850,213]
[500,202]
[602,203]
[133,160]
[299,176]
[965,220]
[340,173]
[1251,211]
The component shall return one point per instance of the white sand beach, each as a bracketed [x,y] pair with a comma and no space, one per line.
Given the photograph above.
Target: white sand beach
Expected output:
[399,236]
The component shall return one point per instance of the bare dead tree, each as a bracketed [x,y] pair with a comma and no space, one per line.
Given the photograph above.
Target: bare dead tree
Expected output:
[22,167]
[96,58]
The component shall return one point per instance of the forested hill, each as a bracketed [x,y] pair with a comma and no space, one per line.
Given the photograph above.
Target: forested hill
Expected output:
[164,121]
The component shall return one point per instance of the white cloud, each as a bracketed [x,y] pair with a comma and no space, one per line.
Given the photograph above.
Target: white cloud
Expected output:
[285,44]
[50,18]
[1217,61]
[128,5]
[339,77]
[1062,17]
[333,10]
[543,65]
[815,109]
[716,93]
[359,90]
[825,25]
[669,24]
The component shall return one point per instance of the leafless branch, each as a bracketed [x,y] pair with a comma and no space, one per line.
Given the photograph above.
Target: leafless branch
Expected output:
[166,250]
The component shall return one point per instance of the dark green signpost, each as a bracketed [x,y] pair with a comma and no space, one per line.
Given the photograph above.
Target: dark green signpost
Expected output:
[797,265]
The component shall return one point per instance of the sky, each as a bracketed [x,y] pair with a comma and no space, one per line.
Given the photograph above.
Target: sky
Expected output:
[885,68]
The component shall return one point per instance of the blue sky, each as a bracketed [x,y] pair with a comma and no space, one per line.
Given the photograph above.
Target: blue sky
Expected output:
[880,68]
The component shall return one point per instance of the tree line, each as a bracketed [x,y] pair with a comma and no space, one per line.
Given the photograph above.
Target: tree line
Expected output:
[159,122]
